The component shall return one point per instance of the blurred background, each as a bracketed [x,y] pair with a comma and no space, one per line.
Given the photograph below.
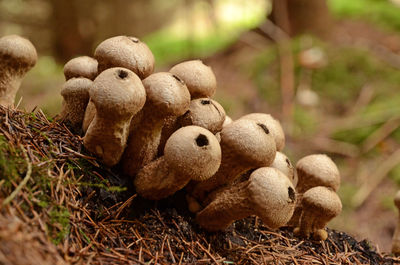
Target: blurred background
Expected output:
[329,70]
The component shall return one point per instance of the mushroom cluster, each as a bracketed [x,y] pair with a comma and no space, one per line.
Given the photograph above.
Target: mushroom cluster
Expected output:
[165,132]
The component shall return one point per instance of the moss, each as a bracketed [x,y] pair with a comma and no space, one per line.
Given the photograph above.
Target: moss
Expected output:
[59,227]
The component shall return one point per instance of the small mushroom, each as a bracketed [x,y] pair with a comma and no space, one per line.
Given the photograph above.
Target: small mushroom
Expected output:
[245,145]
[198,77]
[75,93]
[228,120]
[203,112]
[191,152]
[396,235]
[83,66]
[117,94]
[167,96]
[320,205]
[268,194]
[17,57]
[273,125]
[125,51]
[282,163]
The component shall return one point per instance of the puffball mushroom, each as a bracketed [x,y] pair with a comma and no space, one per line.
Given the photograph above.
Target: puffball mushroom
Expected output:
[125,51]
[245,145]
[82,66]
[75,93]
[17,57]
[268,194]
[282,163]
[167,96]
[198,77]
[396,235]
[320,205]
[117,94]
[273,125]
[191,152]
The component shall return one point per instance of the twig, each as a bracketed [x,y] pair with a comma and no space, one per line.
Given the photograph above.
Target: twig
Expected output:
[23,182]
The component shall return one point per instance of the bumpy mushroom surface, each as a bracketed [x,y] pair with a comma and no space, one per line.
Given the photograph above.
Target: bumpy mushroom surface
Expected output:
[17,57]
[282,163]
[273,125]
[320,205]
[82,66]
[125,51]
[245,145]
[167,96]
[268,193]
[191,152]
[317,170]
[198,77]
[396,235]
[117,94]
[75,93]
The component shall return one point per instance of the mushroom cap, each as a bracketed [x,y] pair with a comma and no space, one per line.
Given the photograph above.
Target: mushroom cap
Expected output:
[117,92]
[198,77]
[273,125]
[82,66]
[125,51]
[166,94]
[249,142]
[317,170]
[228,120]
[193,151]
[18,52]
[397,200]
[322,200]
[282,163]
[78,87]
[274,196]
[206,113]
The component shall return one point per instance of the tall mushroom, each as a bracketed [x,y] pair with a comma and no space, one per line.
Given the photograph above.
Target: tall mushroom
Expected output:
[17,57]
[191,152]
[82,66]
[245,145]
[396,235]
[117,94]
[268,194]
[167,96]
[320,205]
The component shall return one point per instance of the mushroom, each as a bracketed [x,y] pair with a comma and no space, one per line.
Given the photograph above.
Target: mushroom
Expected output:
[282,163]
[76,96]
[228,120]
[167,96]
[117,94]
[125,51]
[312,171]
[198,77]
[320,205]
[83,66]
[203,112]
[245,145]
[191,152]
[268,194]
[273,125]
[17,57]
[396,235]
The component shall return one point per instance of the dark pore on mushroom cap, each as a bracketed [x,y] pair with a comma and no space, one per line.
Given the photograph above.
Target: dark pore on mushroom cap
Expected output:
[127,52]
[83,66]
[193,151]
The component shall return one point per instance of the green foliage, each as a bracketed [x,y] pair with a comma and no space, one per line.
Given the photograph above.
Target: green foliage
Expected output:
[60,226]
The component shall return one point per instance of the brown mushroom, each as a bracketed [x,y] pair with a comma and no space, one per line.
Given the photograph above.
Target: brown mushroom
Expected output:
[191,152]
[245,145]
[82,66]
[273,125]
[198,77]
[282,163]
[268,194]
[75,93]
[125,51]
[320,205]
[17,57]
[396,235]
[167,96]
[117,94]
